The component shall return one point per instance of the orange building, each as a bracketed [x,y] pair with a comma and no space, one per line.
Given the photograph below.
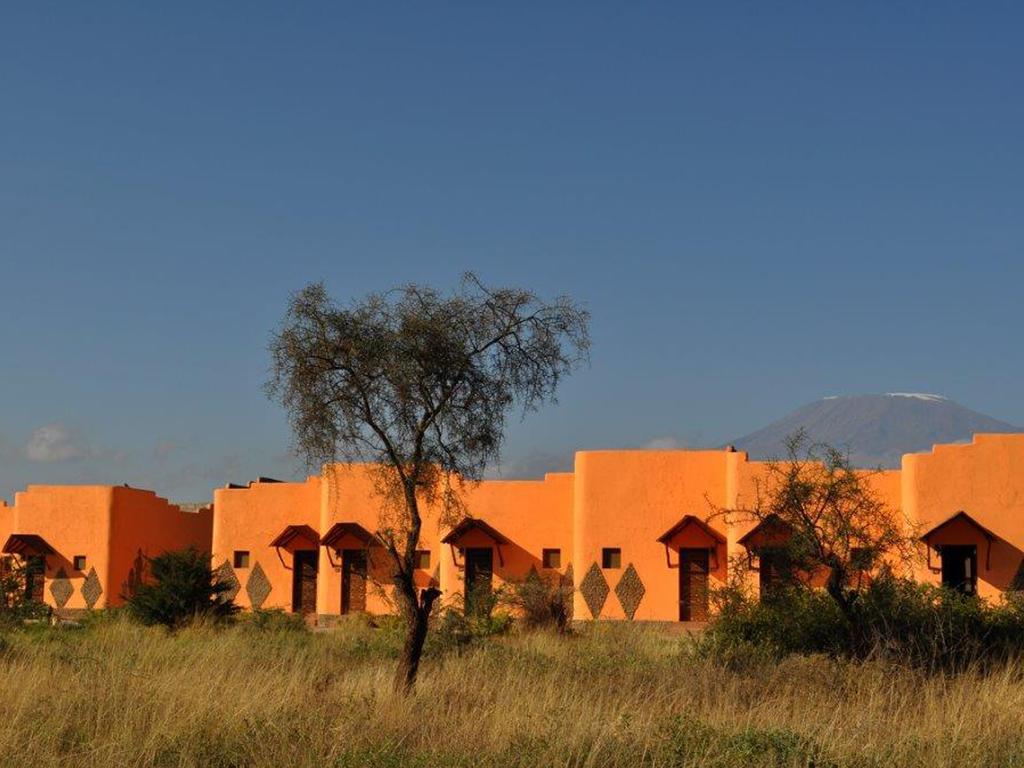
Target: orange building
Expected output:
[631,531]
[85,546]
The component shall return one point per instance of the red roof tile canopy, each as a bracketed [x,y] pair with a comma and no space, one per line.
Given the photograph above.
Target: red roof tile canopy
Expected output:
[339,531]
[714,537]
[292,532]
[473,524]
[769,531]
[961,516]
[967,519]
[27,545]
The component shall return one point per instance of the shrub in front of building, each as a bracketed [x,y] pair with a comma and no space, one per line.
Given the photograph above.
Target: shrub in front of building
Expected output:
[181,588]
[893,619]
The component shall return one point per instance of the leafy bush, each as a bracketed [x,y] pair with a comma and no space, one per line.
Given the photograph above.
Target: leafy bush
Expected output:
[453,627]
[893,619]
[15,605]
[541,601]
[181,587]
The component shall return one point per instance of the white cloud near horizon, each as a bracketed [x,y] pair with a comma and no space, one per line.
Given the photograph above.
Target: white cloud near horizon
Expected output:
[56,442]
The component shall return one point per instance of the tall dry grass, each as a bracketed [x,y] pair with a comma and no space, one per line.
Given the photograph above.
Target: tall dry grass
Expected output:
[116,694]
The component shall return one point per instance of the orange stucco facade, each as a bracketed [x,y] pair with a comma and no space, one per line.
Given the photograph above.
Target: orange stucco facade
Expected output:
[632,531]
[627,527]
[91,541]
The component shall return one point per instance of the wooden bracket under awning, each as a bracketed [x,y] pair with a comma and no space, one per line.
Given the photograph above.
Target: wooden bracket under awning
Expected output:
[960,516]
[469,524]
[771,531]
[333,538]
[712,537]
[27,545]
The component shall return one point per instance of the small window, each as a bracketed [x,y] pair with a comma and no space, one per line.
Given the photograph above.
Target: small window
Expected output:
[611,557]
[241,558]
[423,559]
[79,562]
[552,558]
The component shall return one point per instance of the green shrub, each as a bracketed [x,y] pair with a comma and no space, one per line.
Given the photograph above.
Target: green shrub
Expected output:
[541,601]
[181,588]
[15,605]
[452,629]
[894,619]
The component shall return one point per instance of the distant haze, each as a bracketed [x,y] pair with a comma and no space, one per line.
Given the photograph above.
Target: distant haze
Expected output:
[876,429]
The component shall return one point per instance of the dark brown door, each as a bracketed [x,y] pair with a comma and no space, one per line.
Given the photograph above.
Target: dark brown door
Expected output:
[353,580]
[35,578]
[479,576]
[304,581]
[693,585]
[960,567]
[774,571]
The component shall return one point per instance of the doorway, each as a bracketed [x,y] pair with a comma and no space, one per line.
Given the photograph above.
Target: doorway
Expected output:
[693,584]
[960,567]
[775,572]
[35,578]
[479,577]
[353,580]
[304,572]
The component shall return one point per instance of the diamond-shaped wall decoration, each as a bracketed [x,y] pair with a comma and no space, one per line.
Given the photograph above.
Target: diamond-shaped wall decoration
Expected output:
[258,587]
[91,589]
[61,588]
[595,590]
[225,574]
[630,591]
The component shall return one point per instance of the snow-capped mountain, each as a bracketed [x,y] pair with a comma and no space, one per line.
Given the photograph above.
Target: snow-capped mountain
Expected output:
[876,429]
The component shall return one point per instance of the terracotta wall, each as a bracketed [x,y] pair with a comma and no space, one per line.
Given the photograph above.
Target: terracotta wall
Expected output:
[614,499]
[348,494]
[533,515]
[626,500]
[74,520]
[248,519]
[985,479]
[112,527]
[145,525]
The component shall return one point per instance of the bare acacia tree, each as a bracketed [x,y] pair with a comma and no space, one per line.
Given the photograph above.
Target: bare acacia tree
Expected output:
[419,383]
[826,518]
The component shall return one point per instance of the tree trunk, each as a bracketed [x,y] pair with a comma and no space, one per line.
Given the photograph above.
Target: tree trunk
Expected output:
[417,615]
[837,591]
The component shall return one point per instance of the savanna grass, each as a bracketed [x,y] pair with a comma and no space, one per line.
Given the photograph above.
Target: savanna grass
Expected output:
[267,693]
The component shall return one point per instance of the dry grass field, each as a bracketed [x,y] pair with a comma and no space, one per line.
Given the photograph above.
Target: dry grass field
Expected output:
[116,694]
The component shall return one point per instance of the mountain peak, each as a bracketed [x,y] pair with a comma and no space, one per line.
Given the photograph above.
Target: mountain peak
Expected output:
[876,429]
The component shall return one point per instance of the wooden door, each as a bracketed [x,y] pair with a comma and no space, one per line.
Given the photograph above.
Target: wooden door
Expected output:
[304,581]
[353,580]
[35,578]
[479,577]
[693,585]
[774,571]
[960,567]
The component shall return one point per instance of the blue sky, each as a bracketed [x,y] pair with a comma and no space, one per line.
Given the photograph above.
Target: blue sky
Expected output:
[761,204]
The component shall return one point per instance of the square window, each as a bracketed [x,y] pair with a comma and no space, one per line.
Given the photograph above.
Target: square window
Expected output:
[552,558]
[241,558]
[611,557]
[423,559]
[79,563]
